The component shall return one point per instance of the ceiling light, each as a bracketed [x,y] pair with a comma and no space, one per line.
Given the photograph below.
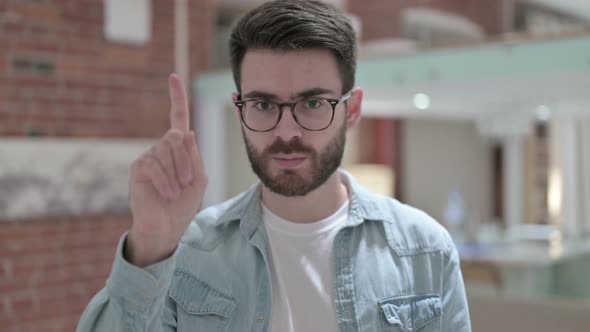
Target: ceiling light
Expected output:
[543,113]
[421,101]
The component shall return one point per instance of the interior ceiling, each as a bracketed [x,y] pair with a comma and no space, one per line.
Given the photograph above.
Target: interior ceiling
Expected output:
[580,8]
[561,93]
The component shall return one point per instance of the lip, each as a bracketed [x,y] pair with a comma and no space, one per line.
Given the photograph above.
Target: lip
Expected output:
[285,161]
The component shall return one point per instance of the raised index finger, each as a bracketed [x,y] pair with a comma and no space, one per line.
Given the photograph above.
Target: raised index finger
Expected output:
[179,115]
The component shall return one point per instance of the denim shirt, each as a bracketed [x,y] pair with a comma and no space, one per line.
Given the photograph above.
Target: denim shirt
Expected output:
[395,269]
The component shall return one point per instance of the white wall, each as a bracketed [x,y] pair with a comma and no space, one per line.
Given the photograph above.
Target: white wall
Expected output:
[440,156]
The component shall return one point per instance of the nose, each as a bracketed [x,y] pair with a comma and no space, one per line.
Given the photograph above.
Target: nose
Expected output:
[288,128]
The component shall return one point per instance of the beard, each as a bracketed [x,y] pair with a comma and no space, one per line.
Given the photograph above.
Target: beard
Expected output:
[290,182]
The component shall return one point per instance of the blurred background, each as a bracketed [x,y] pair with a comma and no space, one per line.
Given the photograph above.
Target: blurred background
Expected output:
[476,111]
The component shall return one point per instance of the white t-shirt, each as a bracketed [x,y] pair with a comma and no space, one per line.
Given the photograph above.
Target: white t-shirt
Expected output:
[300,259]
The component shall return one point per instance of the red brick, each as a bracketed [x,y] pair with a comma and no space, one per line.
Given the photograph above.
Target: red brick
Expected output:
[40,13]
[50,286]
[25,301]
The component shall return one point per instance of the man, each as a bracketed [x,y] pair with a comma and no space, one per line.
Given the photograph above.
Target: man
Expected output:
[307,249]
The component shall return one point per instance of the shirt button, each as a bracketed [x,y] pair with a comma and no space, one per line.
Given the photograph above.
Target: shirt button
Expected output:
[260,317]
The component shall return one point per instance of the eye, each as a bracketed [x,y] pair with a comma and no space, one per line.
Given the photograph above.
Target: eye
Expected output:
[263,105]
[312,103]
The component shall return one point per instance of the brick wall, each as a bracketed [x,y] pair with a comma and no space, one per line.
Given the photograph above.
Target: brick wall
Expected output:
[60,77]
[50,269]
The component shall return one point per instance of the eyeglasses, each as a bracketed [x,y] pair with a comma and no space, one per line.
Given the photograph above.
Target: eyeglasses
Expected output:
[313,114]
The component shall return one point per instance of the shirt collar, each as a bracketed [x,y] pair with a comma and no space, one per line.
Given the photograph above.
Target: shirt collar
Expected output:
[363,205]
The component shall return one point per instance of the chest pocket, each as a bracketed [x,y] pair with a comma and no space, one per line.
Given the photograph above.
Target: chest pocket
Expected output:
[411,313]
[199,306]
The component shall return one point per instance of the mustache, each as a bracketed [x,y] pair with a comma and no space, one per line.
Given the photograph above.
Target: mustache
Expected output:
[293,146]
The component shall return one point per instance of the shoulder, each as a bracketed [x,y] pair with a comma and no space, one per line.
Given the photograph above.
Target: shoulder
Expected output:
[409,230]
[211,225]
[415,230]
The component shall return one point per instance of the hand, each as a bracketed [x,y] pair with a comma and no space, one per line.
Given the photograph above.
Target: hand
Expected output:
[166,186]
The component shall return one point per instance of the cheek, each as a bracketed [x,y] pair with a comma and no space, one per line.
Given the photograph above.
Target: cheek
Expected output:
[319,140]
[259,140]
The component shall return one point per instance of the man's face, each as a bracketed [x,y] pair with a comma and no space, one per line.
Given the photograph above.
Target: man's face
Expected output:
[290,160]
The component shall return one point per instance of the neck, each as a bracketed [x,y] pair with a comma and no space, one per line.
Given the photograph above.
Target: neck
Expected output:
[316,205]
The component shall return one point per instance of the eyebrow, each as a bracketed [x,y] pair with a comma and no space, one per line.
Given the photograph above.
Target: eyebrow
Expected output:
[257,94]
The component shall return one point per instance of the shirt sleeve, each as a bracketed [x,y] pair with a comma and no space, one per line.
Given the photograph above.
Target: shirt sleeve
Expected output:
[134,299]
[455,309]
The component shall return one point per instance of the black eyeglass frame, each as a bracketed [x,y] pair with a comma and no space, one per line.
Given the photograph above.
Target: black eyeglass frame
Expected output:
[334,102]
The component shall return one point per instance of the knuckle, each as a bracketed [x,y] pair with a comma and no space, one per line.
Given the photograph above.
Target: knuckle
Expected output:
[153,152]
[158,148]
[137,163]
[175,135]
[141,162]
[162,154]
[149,162]
[166,145]
[169,147]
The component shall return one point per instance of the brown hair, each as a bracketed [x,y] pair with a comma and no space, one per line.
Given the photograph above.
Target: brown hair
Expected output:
[285,25]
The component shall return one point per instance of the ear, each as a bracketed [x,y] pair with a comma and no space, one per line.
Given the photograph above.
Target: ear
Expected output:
[354,108]
[234,98]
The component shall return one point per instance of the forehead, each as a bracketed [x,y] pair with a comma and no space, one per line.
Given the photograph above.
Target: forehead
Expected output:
[285,73]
